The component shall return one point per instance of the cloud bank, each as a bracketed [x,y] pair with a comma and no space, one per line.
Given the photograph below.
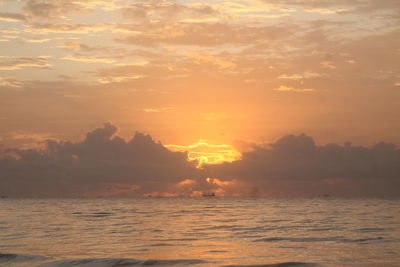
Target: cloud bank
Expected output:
[104,164]
[100,165]
[296,166]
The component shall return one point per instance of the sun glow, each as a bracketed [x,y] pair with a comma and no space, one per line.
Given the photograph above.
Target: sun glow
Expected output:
[206,153]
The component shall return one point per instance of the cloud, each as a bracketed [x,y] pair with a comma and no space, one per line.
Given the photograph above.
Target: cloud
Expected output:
[135,71]
[11,17]
[101,164]
[238,54]
[42,40]
[104,164]
[107,5]
[327,65]
[48,10]
[253,7]
[155,11]
[354,6]
[203,34]
[158,110]
[168,12]
[295,165]
[299,76]
[25,140]
[326,11]
[284,88]
[10,82]
[207,153]
[89,59]
[59,9]
[350,61]
[16,63]
[200,57]
[119,79]
[78,46]
[45,28]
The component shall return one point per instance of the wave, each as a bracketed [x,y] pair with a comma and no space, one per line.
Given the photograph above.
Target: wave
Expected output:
[93,214]
[281,264]
[121,262]
[322,239]
[133,262]
[8,258]
[294,239]
[373,230]
[28,260]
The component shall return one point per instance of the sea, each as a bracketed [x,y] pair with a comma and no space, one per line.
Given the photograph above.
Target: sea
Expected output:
[202,231]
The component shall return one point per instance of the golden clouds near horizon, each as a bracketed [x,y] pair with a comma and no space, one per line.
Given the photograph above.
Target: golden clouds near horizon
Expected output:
[206,153]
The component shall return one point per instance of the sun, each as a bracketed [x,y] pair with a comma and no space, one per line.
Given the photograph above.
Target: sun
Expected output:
[206,153]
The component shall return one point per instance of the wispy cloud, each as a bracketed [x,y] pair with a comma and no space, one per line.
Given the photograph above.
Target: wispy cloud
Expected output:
[10,82]
[158,110]
[284,88]
[45,28]
[326,11]
[16,63]
[327,65]
[200,57]
[299,76]
[91,59]
[118,79]
[11,17]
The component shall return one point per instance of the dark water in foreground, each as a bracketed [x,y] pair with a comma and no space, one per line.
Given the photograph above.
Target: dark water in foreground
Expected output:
[199,232]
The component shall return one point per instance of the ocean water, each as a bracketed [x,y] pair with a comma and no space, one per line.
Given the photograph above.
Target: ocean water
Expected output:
[200,232]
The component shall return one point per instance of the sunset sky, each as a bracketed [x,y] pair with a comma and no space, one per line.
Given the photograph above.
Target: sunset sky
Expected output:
[185,71]
[200,73]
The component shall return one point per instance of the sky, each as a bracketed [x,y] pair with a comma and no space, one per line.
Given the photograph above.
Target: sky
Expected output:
[217,79]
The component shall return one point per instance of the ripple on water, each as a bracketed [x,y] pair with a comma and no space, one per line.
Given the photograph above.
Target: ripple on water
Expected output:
[281,264]
[372,230]
[93,214]
[14,259]
[267,232]
[122,262]
[321,239]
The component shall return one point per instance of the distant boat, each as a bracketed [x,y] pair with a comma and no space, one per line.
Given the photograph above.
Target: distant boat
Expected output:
[210,194]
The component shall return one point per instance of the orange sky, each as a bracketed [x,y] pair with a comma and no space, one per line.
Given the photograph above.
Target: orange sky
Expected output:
[184,71]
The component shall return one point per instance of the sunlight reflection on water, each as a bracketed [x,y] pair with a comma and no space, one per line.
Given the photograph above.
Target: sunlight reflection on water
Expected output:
[207,231]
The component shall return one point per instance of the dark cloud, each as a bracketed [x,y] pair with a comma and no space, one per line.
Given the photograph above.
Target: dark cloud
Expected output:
[102,164]
[295,165]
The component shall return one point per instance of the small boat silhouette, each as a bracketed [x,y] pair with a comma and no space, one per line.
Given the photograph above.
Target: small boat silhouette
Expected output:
[209,194]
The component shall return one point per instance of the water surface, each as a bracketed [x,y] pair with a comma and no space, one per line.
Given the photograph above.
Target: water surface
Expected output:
[199,232]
